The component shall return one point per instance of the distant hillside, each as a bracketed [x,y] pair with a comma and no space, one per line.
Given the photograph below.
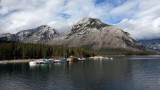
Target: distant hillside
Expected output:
[153,44]
[41,34]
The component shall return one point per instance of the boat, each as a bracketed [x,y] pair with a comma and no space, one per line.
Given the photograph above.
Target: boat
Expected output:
[111,58]
[50,61]
[56,60]
[72,59]
[45,61]
[32,62]
[63,60]
[81,59]
[97,57]
[107,58]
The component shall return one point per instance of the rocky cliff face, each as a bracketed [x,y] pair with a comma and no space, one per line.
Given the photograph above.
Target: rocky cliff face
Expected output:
[41,34]
[97,35]
[8,37]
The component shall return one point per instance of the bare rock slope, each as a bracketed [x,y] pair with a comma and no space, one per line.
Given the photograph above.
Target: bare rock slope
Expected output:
[90,32]
[97,35]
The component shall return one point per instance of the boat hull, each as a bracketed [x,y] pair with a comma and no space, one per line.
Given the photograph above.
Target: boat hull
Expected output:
[32,63]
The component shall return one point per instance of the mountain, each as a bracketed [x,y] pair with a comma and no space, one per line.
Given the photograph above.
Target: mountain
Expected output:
[93,33]
[41,34]
[88,32]
[153,44]
[8,37]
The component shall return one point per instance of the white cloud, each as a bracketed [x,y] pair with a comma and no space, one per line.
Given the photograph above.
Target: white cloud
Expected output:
[124,8]
[139,17]
[142,28]
[32,13]
[61,25]
[144,23]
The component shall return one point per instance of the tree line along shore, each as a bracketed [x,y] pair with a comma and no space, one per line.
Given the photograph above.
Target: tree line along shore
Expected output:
[14,50]
[10,50]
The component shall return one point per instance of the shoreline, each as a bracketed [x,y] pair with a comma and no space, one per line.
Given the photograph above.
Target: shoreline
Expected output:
[28,60]
[17,61]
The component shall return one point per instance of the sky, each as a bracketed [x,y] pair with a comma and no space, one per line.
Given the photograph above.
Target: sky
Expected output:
[140,18]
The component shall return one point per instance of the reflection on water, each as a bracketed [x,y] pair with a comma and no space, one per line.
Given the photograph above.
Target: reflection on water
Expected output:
[32,66]
[122,73]
[47,66]
[144,57]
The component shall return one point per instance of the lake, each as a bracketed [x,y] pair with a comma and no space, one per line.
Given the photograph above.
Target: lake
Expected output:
[122,73]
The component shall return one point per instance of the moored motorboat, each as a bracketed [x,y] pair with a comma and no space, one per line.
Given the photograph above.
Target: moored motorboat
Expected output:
[97,57]
[72,59]
[106,58]
[111,58]
[50,61]
[32,62]
[63,60]
[81,59]
[56,60]
[46,61]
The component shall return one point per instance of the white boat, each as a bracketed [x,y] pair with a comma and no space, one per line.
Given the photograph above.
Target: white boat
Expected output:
[56,61]
[81,59]
[97,57]
[32,62]
[111,58]
[106,58]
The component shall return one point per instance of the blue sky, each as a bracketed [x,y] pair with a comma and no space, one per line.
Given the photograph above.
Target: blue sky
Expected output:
[141,18]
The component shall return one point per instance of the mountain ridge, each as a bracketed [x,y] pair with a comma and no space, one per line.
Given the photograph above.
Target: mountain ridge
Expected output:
[87,32]
[35,35]
[96,34]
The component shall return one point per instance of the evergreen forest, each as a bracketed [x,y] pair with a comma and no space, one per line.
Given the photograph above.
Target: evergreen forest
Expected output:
[13,50]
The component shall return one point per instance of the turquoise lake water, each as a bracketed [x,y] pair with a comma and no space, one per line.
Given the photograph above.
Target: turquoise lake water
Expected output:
[122,73]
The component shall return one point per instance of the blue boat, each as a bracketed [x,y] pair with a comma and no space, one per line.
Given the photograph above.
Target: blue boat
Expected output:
[63,60]
[46,61]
